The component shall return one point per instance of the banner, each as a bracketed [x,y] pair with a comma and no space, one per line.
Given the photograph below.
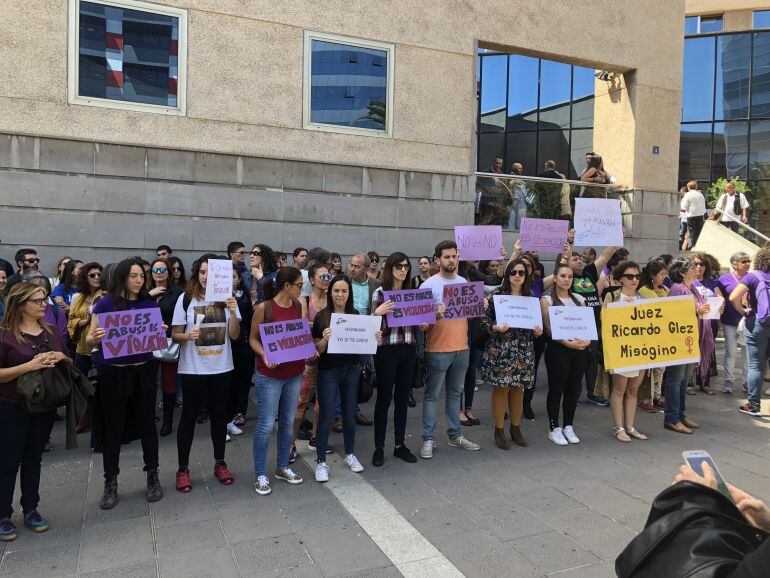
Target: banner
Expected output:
[518,312]
[287,340]
[412,307]
[598,223]
[479,243]
[572,323]
[219,280]
[543,235]
[650,333]
[354,333]
[132,332]
[464,300]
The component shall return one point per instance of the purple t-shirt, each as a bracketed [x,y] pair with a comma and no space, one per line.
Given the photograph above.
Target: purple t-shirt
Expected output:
[537,288]
[13,353]
[752,281]
[106,304]
[727,283]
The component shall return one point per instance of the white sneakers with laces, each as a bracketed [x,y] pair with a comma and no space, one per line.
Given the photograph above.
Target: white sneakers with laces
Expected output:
[464,443]
[262,485]
[426,451]
[322,472]
[353,463]
[557,437]
[233,429]
[569,433]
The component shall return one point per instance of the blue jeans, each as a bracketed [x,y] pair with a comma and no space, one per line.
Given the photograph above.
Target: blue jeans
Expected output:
[274,395]
[342,379]
[757,336]
[440,366]
[675,383]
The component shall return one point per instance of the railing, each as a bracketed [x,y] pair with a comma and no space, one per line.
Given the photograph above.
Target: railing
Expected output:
[745,226]
[503,199]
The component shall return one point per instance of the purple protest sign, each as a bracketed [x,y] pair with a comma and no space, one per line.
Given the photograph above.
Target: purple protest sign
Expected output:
[478,243]
[287,340]
[132,332]
[464,300]
[412,307]
[543,235]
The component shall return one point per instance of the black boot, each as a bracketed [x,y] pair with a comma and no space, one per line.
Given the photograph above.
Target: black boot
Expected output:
[169,399]
[110,498]
[154,491]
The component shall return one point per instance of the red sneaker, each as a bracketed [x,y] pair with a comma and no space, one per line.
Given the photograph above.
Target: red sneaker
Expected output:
[648,407]
[183,482]
[223,474]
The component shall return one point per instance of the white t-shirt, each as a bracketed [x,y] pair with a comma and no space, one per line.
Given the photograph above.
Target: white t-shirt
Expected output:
[307,287]
[694,203]
[726,203]
[211,353]
[436,284]
[682,212]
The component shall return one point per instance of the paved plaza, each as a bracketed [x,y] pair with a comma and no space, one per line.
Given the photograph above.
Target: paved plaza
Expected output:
[540,510]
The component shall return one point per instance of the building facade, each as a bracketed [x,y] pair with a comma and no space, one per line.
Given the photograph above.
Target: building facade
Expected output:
[126,124]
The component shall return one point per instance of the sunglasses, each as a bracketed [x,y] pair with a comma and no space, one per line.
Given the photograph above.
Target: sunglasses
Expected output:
[281,258]
[326,276]
[256,253]
[176,269]
[159,270]
[33,261]
[94,275]
[297,285]
[518,273]
[402,266]
[631,277]
[698,264]
[375,261]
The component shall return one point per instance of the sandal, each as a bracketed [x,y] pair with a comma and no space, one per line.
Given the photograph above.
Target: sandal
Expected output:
[636,434]
[707,390]
[620,434]
[691,391]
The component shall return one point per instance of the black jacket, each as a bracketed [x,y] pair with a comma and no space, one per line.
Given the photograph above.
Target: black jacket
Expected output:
[694,531]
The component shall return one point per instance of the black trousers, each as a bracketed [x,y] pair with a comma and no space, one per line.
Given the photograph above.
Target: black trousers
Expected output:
[592,367]
[196,388]
[694,227]
[238,396]
[540,345]
[395,372]
[565,371]
[24,436]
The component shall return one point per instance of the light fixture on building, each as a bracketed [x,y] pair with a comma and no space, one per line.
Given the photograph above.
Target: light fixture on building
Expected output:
[605,75]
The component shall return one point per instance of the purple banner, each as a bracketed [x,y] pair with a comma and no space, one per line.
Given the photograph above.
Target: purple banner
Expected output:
[132,332]
[287,340]
[478,243]
[412,307]
[543,235]
[464,300]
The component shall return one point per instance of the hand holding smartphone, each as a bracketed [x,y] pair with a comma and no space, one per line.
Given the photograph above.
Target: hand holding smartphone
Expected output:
[696,458]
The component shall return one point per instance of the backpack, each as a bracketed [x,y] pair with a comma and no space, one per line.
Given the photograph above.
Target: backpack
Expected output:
[762,299]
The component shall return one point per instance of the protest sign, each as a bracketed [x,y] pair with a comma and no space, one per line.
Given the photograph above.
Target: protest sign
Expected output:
[354,333]
[572,323]
[132,332]
[543,235]
[412,307]
[715,307]
[650,333]
[518,312]
[477,243]
[287,340]
[598,222]
[219,280]
[464,300]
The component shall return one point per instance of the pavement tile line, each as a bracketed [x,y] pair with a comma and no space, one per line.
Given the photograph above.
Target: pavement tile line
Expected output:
[410,552]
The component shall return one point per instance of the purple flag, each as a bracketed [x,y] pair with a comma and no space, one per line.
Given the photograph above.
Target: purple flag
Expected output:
[287,340]
[464,300]
[132,332]
[412,307]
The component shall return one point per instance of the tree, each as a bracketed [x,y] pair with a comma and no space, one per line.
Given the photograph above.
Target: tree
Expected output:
[377,112]
[717,189]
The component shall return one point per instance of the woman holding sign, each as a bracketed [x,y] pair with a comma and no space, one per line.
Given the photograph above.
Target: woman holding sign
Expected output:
[565,359]
[509,357]
[204,329]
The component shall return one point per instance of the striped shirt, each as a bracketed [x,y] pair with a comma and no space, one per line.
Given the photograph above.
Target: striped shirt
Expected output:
[392,335]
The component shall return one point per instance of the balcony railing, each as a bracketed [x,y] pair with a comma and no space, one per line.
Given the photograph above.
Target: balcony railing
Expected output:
[503,199]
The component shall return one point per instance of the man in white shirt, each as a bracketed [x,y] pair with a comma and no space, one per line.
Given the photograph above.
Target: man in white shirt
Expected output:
[694,204]
[733,206]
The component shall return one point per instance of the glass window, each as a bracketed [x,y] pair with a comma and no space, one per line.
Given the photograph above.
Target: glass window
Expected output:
[760,149]
[128,57]
[710,24]
[735,137]
[761,18]
[732,77]
[522,92]
[694,151]
[490,146]
[493,78]
[582,143]
[555,89]
[691,25]
[760,76]
[698,79]
[522,148]
[554,146]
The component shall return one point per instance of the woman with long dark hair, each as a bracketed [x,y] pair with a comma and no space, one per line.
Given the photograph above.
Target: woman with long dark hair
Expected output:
[79,320]
[258,279]
[67,286]
[126,385]
[652,285]
[335,264]
[423,263]
[243,360]
[178,273]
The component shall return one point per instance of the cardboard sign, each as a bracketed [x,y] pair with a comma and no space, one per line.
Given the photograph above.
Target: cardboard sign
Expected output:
[543,235]
[479,243]
[287,340]
[650,333]
[132,332]
[518,312]
[464,300]
[354,333]
[572,323]
[219,280]
[412,307]
[598,223]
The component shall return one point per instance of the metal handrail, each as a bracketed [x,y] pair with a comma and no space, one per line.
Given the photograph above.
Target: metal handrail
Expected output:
[613,187]
[744,225]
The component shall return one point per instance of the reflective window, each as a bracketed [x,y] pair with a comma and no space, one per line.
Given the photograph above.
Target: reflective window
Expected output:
[494,75]
[691,25]
[710,24]
[760,150]
[760,76]
[523,72]
[555,93]
[761,18]
[522,148]
[554,145]
[491,145]
[732,77]
[581,144]
[694,151]
[698,79]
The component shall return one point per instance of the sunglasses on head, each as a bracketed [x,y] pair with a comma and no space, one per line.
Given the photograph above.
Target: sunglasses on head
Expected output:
[630,276]
[402,266]
[94,275]
[518,273]
[159,270]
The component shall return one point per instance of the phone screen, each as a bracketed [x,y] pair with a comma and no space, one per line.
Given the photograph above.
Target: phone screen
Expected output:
[696,463]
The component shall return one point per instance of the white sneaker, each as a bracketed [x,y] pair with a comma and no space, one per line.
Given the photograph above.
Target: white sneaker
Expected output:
[353,463]
[426,451]
[463,443]
[322,472]
[569,433]
[227,438]
[557,437]
[233,429]
[262,485]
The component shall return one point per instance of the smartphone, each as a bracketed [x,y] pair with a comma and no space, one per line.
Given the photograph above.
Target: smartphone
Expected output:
[696,458]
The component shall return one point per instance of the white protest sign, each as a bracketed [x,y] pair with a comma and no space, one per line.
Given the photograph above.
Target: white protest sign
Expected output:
[715,304]
[219,280]
[572,323]
[354,333]
[598,223]
[518,312]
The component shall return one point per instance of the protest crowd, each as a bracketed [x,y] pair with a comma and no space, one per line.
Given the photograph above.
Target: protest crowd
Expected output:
[318,337]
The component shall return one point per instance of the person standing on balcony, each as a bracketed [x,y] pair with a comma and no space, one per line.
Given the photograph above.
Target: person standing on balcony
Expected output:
[694,204]
[733,205]
[595,174]
[519,190]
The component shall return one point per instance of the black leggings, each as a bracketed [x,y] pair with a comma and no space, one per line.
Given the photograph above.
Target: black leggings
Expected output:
[238,397]
[395,371]
[540,344]
[194,389]
[565,371]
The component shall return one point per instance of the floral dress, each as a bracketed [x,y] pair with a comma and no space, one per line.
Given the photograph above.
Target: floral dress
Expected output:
[509,358]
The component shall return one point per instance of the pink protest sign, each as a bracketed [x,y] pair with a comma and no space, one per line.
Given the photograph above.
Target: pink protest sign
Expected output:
[412,307]
[543,235]
[132,332]
[287,340]
[478,243]
[464,300]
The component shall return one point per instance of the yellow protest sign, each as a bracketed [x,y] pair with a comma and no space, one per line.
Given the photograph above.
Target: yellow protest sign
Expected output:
[650,333]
